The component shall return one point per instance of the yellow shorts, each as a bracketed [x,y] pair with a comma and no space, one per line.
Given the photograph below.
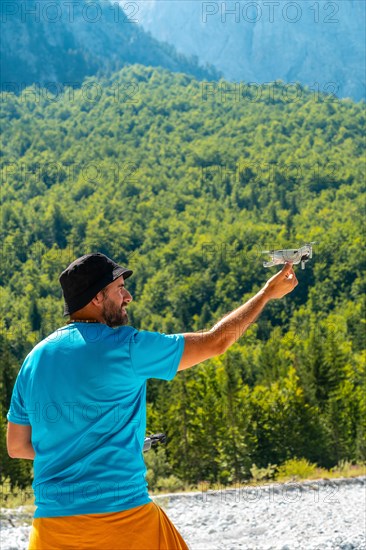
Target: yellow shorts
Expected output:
[145,527]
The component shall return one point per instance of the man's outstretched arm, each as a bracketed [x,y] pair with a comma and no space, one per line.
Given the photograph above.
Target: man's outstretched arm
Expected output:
[199,346]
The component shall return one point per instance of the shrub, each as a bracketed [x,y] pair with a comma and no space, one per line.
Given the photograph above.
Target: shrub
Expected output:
[159,476]
[169,484]
[260,474]
[295,468]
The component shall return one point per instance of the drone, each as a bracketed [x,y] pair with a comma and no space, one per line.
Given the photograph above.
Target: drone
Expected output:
[152,440]
[293,255]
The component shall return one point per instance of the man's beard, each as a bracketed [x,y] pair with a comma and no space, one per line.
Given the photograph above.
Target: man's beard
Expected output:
[113,315]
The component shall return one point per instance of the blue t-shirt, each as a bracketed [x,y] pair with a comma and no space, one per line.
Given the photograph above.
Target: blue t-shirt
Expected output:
[83,391]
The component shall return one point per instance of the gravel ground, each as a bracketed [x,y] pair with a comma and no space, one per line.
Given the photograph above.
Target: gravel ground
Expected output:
[316,515]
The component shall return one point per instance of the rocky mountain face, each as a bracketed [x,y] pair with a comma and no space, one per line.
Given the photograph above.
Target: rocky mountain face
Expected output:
[320,44]
[62,42]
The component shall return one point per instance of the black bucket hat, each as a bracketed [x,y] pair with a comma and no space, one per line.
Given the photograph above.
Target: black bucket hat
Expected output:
[87,276]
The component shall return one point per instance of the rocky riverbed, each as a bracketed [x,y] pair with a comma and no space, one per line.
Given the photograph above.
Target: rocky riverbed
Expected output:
[312,515]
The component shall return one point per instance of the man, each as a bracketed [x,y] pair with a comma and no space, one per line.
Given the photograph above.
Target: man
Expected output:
[78,409]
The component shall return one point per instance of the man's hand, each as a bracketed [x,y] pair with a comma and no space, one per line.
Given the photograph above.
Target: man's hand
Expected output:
[281,283]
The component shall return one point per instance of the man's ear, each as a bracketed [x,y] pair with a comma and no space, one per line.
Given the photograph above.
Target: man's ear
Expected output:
[98,299]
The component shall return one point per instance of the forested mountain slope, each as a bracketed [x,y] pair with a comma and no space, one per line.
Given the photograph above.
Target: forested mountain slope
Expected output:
[60,43]
[187,186]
